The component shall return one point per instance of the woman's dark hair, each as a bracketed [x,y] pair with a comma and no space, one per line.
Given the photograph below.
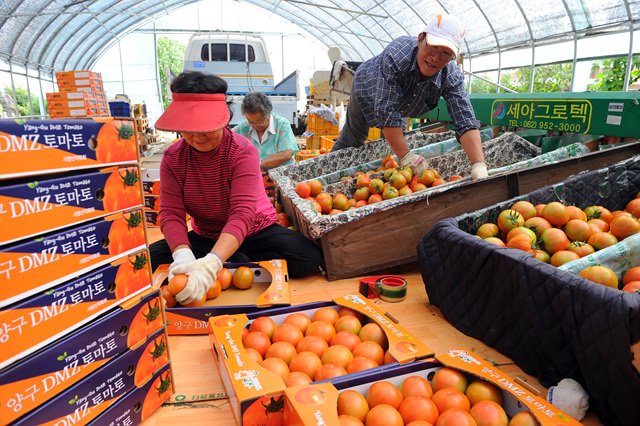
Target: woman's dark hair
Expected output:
[197,82]
[255,102]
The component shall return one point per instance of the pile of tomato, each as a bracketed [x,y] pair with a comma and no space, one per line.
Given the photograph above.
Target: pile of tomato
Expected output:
[556,233]
[386,182]
[329,343]
[448,400]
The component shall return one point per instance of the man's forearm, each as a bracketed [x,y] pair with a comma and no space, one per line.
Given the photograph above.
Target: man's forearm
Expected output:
[276,159]
[395,139]
[472,145]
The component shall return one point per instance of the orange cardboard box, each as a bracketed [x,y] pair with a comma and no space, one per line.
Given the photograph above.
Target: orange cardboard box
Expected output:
[38,264]
[73,74]
[85,400]
[36,321]
[270,288]
[67,96]
[35,147]
[316,404]
[32,207]
[255,393]
[35,379]
[137,405]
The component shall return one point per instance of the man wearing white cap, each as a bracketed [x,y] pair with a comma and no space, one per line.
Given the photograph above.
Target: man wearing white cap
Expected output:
[406,80]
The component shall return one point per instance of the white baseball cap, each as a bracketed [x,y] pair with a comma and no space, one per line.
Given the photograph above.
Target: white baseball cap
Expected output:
[445,30]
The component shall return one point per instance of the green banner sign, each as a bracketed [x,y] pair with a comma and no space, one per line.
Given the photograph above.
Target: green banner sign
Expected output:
[563,115]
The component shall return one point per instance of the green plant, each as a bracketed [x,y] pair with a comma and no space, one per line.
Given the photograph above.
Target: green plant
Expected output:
[612,72]
[170,57]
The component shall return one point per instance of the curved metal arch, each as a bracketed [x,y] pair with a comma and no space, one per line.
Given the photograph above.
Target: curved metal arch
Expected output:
[533,48]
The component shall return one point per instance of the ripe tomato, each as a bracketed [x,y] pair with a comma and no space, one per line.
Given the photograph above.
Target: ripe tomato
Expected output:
[316,187]
[303,189]
[126,233]
[384,415]
[265,324]
[450,398]
[326,314]
[321,329]
[480,390]
[384,392]
[455,417]
[254,355]
[416,386]
[489,413]
[277,366]
[372,331]
[631,274]
[523,418]
[177,283]
[169,299]
[601,275]
[418,408]
[243,278]
[345,338]
[525,208]
[360,363]
[283,350]
[122,190]
[306,362]
[225,277]
[447,377]
[600,240]
[556,213]
[315,344]
[132,275]
[337,355]
[287,333]
[624,226]
[348,323]
[298,319]
[371,350]
[329,371]
[578,230]
[258,341]
[352,403]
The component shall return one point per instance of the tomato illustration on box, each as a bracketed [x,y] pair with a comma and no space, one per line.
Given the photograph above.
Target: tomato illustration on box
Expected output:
[86,399]
[29,147]
[32,207]
[41,263]
[256,393]
[38,377]
[38,320]
[137,405]
[314,404]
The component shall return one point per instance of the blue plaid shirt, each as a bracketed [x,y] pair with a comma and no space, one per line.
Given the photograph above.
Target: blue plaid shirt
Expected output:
[389,86]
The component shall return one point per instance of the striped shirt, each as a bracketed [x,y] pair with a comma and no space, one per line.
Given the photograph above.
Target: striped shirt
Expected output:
[389,86]
[221,190]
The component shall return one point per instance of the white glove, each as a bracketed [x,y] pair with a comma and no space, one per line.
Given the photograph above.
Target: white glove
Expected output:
[202,274]
[182,256]
[479,171]
[570,397]
[417,163]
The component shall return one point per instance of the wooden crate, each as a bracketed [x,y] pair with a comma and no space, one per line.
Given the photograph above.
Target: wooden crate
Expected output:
[389,238]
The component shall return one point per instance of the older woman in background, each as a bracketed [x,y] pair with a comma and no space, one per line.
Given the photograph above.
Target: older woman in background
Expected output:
[270,133]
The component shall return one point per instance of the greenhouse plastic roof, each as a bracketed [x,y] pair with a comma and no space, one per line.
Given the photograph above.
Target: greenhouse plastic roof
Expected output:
[71,34]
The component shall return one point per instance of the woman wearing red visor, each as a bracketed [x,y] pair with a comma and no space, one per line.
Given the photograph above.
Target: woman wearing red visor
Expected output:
[213,174]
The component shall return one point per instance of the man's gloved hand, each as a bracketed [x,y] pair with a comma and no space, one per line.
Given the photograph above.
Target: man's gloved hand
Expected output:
[182,256]
[417,163]
[479,171]
[570,397]
[202,275]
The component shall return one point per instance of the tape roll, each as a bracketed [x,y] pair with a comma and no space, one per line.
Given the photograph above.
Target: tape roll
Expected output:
[392,289]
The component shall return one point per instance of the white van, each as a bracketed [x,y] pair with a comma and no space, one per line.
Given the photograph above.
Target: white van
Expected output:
[242,60]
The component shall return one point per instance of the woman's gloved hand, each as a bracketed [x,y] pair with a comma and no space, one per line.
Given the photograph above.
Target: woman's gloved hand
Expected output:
[417,163]
[182,256]
[202,275]
[479,171]
[569,396]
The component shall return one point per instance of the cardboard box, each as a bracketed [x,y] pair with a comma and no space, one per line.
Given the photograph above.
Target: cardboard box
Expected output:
[86,399]
[32,207]
[152,202]
[40,263]
[270,288]
[315,404]
[39,320]
[255,391]
[35,147]
[40,376]
[137,405]
[66,95]
[73,74]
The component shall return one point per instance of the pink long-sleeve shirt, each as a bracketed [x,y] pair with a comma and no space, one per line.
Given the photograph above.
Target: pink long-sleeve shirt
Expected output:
[221,190]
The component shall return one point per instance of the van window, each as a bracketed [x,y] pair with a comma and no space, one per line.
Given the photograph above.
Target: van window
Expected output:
[237,53]
[204,52]
[219,52]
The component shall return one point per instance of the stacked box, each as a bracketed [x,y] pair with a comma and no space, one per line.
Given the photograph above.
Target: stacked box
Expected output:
[314,404]
[74,263]
[255,393]
[552,323]
[87,82]
[120,109]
